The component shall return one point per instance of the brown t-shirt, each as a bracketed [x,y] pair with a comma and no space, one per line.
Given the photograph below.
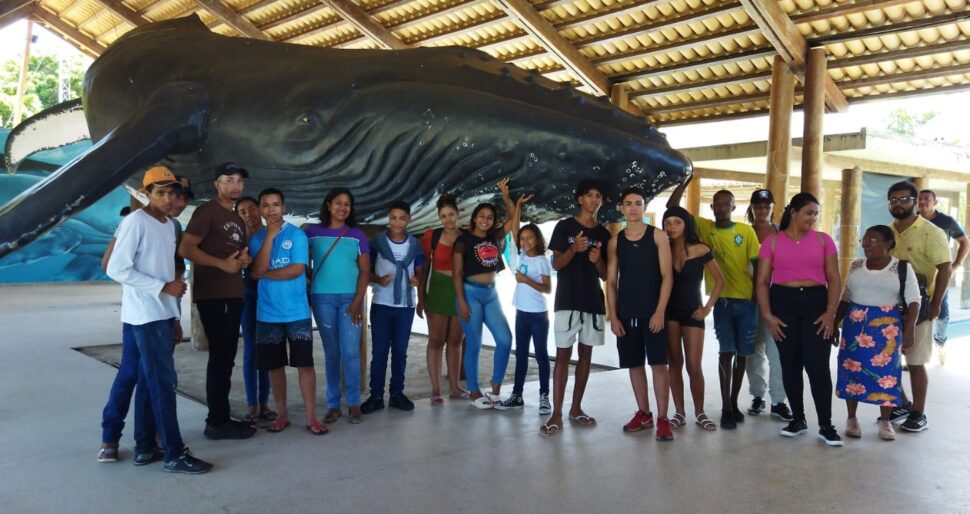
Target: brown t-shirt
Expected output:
[222,234]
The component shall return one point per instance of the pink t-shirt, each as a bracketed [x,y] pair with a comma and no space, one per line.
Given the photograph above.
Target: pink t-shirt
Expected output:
[798,260]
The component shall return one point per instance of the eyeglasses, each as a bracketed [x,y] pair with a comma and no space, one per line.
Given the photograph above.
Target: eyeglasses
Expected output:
[871,240]
[893,200]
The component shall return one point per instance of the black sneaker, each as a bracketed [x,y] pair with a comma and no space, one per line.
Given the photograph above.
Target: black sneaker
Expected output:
[514,400]
[153,455]
[229,430]
[795,428]
[757,406]
[899,414]
[187,464]
[401,402]
[830,436]
[374,403]
[916,422]
[728,421]
[781,411]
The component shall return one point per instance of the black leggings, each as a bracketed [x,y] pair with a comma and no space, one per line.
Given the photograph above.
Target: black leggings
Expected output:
[803,348]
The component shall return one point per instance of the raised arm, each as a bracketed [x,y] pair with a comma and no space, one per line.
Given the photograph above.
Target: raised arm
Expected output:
[678,193]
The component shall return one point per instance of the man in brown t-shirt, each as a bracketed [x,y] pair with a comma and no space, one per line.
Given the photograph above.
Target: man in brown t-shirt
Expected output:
[215,242]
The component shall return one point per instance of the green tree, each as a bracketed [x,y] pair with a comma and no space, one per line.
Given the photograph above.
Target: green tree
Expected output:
[42,84]
[901,121]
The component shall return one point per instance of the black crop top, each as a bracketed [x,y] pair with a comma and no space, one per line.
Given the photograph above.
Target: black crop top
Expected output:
[481,254]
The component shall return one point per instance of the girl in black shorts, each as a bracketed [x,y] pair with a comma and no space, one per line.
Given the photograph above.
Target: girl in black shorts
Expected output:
[686,312]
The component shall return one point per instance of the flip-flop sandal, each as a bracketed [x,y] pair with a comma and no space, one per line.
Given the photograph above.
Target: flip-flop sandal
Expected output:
[331,416]
[268,415]
[584,420]
[483,403]
[705,422]
[278,425]
[677,421]
[437,400]
[464,395]
[549,429]
[251,418]
[317,428]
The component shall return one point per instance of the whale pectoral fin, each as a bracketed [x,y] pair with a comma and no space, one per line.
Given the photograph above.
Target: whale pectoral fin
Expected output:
[173,121]
[54,127]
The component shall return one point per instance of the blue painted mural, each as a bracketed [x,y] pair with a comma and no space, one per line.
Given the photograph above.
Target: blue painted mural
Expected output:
[72,251]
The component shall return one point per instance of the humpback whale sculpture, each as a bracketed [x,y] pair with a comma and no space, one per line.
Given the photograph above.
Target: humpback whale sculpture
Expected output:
[389,125]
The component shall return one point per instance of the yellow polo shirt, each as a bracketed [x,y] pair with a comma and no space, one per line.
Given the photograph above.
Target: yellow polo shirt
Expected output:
[735,248]
[924,245]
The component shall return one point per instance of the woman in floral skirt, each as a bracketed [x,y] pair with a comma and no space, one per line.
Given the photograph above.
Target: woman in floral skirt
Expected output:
[873,329]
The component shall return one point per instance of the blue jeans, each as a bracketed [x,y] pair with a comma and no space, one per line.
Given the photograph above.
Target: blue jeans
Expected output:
[341,346]
[943,322]
[254,379]
[534,325]
[155,342]
[485,310]
[390,333]
[119,399]
[735,324]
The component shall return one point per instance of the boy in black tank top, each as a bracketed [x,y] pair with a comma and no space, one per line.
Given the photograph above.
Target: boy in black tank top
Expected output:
[640,253]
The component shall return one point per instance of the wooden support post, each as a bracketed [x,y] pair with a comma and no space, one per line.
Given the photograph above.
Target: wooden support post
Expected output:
[18,108]
[851,217]
[813,135]
[828,208]
[779,133]
[921,183]
[694,196]
[965,289]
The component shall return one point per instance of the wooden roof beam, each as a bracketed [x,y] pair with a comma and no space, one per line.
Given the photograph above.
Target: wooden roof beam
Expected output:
[14,10]
[894,78]
[555,43]
[83,42]
[784,36]
[233,19]
[359,18]
[332,22]
[124,12]
[909,53]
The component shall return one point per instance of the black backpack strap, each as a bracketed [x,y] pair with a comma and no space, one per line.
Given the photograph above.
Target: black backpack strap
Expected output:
[901,269]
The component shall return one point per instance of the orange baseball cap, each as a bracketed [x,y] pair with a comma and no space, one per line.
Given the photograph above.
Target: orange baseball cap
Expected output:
[159,176]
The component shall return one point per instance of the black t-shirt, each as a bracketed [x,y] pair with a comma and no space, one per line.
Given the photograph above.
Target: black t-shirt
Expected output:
[578,285]
[480,254]
[686,293]
[948,224]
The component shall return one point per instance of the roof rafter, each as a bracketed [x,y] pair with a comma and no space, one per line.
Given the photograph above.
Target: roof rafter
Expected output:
[233,19]
[83,42]
[555,43]
[784,36]
[365,24]
[14,10]
[127,13]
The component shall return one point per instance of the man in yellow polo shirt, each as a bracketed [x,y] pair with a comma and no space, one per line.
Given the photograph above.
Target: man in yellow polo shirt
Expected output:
[735,247]
[924,245]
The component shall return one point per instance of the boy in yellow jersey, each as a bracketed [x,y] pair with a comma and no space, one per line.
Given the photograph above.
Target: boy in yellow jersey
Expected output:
[735,247]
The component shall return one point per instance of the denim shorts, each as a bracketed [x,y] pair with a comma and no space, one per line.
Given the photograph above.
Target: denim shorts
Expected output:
[271,339]
[736,324]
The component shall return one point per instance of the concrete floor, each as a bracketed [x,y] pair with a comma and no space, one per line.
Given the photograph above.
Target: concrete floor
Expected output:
[444,459]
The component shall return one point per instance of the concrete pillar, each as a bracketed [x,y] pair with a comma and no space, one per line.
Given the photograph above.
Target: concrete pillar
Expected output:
[812,134]
[828,208]
[694,196]
[851,217]
[965,290]
[779,133]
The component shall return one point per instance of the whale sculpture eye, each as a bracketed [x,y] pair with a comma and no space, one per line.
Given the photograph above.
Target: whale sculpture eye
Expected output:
[306,126]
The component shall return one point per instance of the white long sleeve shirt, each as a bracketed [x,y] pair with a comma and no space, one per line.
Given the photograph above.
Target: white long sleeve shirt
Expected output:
[143,262]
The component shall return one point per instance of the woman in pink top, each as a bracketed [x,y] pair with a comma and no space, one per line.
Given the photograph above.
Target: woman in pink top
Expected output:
[798,288]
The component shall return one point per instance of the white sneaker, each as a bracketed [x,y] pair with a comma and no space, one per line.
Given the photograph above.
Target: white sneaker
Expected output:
[545,408]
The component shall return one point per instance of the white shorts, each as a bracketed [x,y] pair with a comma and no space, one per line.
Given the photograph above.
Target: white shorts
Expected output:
[572,326]
[922,348]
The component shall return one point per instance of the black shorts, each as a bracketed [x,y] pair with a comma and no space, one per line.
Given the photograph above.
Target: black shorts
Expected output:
[640,345]
[271,341]
[682,315]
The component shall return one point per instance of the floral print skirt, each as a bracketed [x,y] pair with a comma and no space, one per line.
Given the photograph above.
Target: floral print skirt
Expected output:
[870,368]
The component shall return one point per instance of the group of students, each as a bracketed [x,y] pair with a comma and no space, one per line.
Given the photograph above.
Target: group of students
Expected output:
[774,290]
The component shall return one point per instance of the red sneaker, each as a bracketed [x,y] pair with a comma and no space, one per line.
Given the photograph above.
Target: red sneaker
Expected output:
[640,421]
[663,430]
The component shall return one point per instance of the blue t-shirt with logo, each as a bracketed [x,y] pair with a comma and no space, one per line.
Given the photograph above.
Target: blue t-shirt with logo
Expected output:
[283,301]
